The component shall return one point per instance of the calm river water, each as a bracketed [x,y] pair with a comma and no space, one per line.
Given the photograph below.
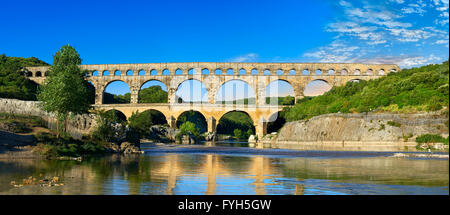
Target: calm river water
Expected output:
[232,168]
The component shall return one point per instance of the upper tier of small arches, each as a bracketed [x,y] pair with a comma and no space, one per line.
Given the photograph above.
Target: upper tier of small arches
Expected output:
[236,69]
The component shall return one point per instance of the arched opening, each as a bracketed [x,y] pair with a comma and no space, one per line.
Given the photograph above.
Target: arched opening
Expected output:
[280,92]
[316,88]
[393,70]
[276,122]
[331,72]
[292,72]
[38,74]
[279,72]
[141,72]
[381,72]
[230,72]
[151,116]
[205,71]
[237,124]
[344,72]
[192,91]
[106,73]
[235,92]
[254,72]
[129,73]
[178,72]
[91,91]
[305,72]
[29,74]
[369,72]
[165,72]
[195,117]
[192,72]
[242,72]
[153,91]
[95,73]
[117,73]
[47,72]
[116,116]
[266,72]
[218,72]
[116,92]
[355,80]
[153,72]
[357,72]
[318,72]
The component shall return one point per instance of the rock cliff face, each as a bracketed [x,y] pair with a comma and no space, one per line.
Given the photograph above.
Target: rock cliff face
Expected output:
[363,127]
[77,126]
[368,128]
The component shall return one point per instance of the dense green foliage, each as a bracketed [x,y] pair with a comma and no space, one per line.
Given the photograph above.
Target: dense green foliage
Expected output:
[105,122]
[64,91]
[141,122]
[109,98]
[188,128]
[431,138]
[195,117]
[287,100]
[153,94]
[410,90]
[14,85]
[236,120]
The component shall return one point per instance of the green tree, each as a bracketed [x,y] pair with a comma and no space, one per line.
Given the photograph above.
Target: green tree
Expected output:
[64,92]
[189,128]
[237,133]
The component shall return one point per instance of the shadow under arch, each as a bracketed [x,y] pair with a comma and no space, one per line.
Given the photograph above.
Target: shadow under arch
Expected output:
[235,119]
[153,91]
[241,93]
[156,117]
[119,116]
[197,91]
[112,98]
[276,122]
[195,117]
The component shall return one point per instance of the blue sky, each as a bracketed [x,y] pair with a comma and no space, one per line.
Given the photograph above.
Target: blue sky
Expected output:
[405,32]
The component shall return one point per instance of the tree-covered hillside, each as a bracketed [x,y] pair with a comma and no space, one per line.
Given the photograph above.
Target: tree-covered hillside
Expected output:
[410,90]
[12,84]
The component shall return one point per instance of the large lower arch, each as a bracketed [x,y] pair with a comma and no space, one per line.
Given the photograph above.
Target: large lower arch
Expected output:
[235,92]
[116,92]
[155,116]
[191,91]
[317,87]
[236,120]
[280,92]
[275,122]
[195,117]
[153,91]
[116,115]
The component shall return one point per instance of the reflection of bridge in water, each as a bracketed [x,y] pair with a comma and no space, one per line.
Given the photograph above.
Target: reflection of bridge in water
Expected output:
[258,169]
[213,75]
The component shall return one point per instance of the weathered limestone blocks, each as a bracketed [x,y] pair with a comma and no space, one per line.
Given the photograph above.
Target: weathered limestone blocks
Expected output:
[371,127]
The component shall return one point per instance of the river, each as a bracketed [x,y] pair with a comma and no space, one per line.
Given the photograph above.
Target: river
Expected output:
[231,168]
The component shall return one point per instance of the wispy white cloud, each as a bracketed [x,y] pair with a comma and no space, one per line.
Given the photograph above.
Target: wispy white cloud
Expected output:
[245,58]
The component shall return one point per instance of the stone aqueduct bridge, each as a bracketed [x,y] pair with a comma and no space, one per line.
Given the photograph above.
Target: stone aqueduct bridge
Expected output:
[256,75]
